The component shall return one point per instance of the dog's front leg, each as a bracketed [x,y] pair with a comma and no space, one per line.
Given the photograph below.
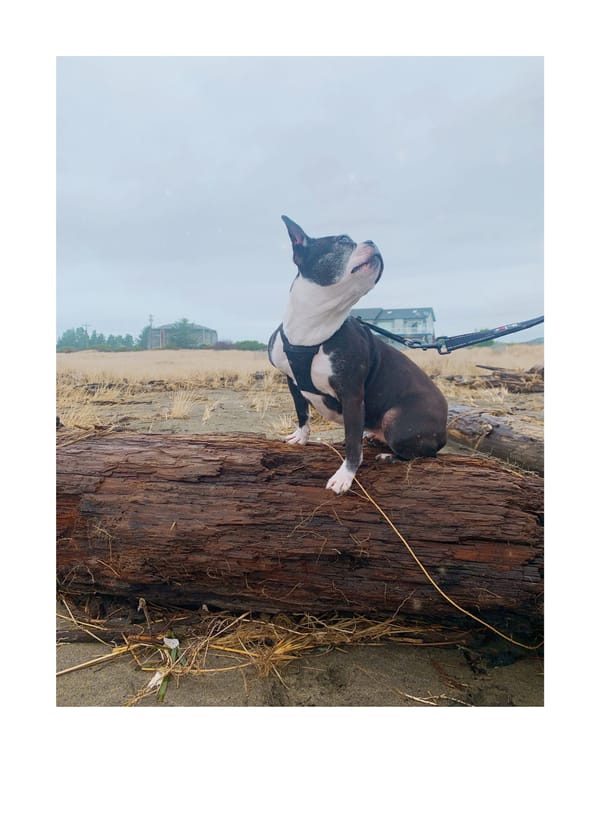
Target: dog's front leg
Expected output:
[353,410]
[302,433]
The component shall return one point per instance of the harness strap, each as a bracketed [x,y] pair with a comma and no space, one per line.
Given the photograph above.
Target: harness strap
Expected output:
[301,358]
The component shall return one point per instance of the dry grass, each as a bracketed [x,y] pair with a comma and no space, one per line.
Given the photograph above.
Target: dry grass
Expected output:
[88,381]
[172,365]
[80,416]
[183,404]
[210,366]
[464,362]
[223,642]
[209,409]
[78,402]
[283,424]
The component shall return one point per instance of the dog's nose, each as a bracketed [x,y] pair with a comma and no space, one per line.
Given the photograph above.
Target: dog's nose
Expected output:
[369,242]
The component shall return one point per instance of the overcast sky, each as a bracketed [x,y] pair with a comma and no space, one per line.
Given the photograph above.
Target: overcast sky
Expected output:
[172,175]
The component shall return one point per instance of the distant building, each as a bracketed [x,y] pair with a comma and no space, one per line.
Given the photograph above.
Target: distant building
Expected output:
[414,323]
[196,336]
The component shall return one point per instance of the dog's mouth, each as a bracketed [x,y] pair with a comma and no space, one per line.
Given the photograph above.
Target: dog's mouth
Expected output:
[375,262]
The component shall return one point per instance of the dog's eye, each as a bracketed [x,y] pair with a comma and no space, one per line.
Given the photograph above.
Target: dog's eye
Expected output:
[344,238]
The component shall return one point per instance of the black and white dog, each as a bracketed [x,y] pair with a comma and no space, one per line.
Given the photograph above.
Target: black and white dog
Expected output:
[336,365]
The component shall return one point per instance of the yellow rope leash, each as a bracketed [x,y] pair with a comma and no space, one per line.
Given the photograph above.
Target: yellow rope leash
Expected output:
[426,573]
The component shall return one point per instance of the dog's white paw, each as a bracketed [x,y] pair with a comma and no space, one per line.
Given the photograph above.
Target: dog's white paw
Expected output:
[299,436]
[385,457]
[342,480]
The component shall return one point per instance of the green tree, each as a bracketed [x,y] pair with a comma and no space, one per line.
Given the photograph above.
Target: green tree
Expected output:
[73,339]
[143,340]
[250,345]
[97,341]
[181,335]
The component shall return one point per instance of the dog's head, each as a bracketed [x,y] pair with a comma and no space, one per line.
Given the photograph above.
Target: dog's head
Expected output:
[335,260]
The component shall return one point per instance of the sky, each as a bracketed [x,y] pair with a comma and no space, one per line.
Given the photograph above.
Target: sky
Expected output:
[173,173]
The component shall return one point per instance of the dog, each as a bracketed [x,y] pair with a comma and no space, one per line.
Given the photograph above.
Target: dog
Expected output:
[335,364]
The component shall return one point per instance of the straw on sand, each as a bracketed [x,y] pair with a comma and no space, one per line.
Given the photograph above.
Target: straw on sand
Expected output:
[222,642]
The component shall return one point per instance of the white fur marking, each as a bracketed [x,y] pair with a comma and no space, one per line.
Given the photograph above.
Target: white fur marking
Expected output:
[342,480]
[316,401]
[321,371]
[300,435]
[279,358]
[315,312]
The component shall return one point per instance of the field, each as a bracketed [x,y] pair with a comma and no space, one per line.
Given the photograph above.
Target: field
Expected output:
[228,391]
[183,364]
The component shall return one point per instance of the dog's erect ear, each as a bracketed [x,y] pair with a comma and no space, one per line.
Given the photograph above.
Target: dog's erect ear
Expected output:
[297,235]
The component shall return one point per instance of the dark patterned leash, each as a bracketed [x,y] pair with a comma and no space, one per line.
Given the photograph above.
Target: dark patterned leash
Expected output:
[447,344]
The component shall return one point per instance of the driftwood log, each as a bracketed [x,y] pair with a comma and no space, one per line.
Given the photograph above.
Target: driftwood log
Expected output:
[515,381]
[242,522]
[501,436]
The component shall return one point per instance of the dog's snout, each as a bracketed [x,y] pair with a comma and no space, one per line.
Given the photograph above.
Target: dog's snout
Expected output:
[377,258]
[373,247]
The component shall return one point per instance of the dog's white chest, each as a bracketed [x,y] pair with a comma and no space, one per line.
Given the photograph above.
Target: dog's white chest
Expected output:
[321,370]
[320,373]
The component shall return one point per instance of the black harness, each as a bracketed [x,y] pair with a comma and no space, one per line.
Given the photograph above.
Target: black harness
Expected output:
[301,358]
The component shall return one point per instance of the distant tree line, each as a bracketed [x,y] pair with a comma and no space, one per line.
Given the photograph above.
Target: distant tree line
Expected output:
[79,339]
[239,345]
[180,338]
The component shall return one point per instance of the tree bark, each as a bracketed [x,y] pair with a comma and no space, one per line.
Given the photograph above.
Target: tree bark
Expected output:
[242,522]
[503,437]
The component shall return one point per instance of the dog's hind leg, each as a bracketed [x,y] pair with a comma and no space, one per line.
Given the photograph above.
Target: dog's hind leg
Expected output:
[409,435]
